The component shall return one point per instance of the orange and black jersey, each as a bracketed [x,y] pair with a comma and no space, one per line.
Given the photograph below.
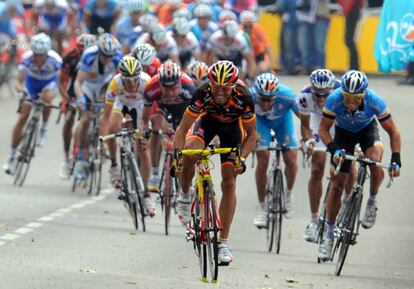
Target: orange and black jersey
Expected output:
[239,105]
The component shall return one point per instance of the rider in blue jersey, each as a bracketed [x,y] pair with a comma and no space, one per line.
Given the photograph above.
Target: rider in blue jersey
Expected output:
[37,79]
[96,68]
[356,111]
[101,13]
[275,105]
[127,30]
[8,9]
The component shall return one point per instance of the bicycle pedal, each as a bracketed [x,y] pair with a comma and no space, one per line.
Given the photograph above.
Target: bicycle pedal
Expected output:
[224,263]
[353,242]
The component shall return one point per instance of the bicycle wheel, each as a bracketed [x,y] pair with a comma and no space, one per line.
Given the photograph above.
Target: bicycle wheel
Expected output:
[271,212]
[95,171]
[26,153]
[322,217]
[127,188]
[279,209]
[211,230]
[199,239]
[135,178]
[167,192]
[348,232]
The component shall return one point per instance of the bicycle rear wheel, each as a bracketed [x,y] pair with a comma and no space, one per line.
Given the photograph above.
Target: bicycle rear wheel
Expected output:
[211,221]
[348,232]
[167,193]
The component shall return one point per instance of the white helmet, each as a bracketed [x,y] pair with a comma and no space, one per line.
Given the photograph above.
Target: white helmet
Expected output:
[231,28]
[183,12]
[158,34]
[227,15]
[181,26]
[147,21]
[41,43]
[108,44]
[202,10]
[175,3]
[144,53]
[248,16]
[322,78]
[135,6]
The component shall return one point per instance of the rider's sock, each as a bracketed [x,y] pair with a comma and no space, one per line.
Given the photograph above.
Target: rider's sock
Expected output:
[329,229]
[223,241]
[12,151]
[80,156]
[314,218]
[154,171]
[262,206]
[43,129]
[372,200]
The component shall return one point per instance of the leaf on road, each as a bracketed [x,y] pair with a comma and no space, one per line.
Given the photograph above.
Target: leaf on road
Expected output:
[267,276]
[291,280]
[32,240]
[106,212]
[133,233]
[130,283]
[88,270]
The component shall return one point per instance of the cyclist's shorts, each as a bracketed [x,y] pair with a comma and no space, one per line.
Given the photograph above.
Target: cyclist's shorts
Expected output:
[135,111]
[366,137]
[205,128]
[236,58]
[35,86]
[284,129]
[176,111]
[8,28]
[53,23]
[86,103]
[315,120]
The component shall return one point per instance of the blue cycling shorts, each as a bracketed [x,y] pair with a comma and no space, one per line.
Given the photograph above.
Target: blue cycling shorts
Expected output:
[35,86]
[284,129]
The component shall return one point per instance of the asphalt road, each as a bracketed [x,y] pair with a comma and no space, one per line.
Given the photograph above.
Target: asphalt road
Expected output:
[52,238]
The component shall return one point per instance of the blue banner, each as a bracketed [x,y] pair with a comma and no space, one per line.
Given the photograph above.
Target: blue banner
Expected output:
[394,43]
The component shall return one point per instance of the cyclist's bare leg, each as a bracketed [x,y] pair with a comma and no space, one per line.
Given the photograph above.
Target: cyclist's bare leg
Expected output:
[291,167]
[333,201]
[349,185]
[155,141]
[228,200]
[82,129]
[377,174]
[47,96]
[67,131]
[188,171]
[261,178]
[145,164]
[115,123]
[21,121]
[315,181]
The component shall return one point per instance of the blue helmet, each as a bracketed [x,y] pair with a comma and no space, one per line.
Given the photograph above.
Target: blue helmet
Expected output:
[267,85]
[354,81]
[322,78]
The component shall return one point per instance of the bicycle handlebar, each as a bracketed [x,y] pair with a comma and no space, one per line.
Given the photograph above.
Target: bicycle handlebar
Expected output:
[208,152]
[121,134]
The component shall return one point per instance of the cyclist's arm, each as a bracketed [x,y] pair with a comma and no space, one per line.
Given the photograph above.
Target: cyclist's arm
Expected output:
[392,130]
[324,127]
[305,127]
[268,51]
[20,81]
[185,124]
[63,80]
[251,137]
[145,117]
[211,56]
[80,79]
[251,64]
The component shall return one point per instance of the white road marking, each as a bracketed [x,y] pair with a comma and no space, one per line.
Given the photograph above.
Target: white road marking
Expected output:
[30,227]
[23,230]
[9,237]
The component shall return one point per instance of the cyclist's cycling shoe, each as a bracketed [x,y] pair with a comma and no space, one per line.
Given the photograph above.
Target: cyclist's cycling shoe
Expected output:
[80,170]
[225,255]
[42,138]
[8,165]
[65,170]
[184,208]
[149,202]
[289,205]
[121,194]
[311,232]
[115,177]
[368,221]
[260,221]
[153,183]
[325,250]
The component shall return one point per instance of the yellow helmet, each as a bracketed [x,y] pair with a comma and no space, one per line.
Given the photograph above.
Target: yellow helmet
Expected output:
[129,67]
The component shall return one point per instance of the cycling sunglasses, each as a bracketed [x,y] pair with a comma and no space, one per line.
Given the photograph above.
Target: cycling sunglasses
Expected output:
[130,80]
[320,94]
[226,89]
[353,96]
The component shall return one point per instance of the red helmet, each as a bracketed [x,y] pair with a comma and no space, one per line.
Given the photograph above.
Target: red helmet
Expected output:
[169,74]
[223,73]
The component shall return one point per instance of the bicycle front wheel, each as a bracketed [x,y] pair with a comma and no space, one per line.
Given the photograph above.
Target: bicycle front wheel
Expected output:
[26,154]
[211,230]
[280,208]
[167,194]
[348,232]
[127,187]
[135,178]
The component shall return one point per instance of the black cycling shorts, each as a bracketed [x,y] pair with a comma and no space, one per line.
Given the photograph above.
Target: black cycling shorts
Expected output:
[230,134]
[366,137]
[132,113]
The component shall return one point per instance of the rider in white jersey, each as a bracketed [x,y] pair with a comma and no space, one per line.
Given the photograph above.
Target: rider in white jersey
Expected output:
[163,42]
[37,79]
[228,43]
[97,67]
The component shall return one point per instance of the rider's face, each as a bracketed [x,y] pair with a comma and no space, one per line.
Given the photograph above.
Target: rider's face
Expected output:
[265,103]
[221,93]
[131,84]
[321,95]
[39,59]
[105,59]
[353,101]
[171,92]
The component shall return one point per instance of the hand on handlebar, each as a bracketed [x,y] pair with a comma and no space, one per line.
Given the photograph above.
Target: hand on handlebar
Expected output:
[240,166]
[308,146]
[338,156]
